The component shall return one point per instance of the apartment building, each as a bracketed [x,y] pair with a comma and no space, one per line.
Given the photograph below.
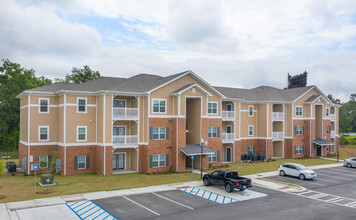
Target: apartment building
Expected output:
[148,123]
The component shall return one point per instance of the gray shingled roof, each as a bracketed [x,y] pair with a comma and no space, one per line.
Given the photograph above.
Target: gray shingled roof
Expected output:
[312,98]
[263,93]
[182,89]
[195,149]
[322,142]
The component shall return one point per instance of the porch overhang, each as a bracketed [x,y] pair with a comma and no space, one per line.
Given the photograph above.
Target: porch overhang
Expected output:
[322,142]
[195,149]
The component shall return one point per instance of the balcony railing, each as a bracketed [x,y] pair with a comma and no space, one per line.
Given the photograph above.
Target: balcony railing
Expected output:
[332,134]
[125,113]
[333,117]
[228,115]
[277,135]
[125,140]
[278,116]
[228,137]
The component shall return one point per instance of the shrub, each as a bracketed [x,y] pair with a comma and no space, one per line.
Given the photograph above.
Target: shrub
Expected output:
[2,167]
[13,174]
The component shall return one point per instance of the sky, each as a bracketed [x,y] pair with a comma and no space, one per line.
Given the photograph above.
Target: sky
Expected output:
[241,44]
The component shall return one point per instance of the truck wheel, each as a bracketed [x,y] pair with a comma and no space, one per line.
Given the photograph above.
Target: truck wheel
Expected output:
[302,177]
[282,173]
[349,165]
[229,188]
[206,182]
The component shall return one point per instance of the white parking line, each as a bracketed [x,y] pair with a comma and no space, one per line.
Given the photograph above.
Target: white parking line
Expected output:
[336,177]
[173,201]
[343,170]
[332,181]
[336,173]
[141,206]
[306,181]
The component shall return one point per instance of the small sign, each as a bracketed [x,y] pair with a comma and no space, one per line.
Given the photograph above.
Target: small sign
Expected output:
[35,166]
[192,157]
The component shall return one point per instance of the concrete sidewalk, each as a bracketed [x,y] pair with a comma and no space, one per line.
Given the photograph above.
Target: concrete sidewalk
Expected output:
[8,210]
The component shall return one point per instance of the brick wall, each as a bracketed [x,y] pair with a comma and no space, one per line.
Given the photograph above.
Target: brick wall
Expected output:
[238,151]
[23,153]
[213,143]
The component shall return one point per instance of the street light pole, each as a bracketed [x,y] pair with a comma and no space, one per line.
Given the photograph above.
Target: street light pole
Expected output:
[201,158]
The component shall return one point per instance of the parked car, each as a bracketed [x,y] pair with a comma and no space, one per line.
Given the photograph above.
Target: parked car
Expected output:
[297,170]
[227,178]
[350,162]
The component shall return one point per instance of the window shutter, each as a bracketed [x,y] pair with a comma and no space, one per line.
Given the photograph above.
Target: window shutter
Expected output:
[303,130]
[295,128]
[218,156]
[218,129]
[76,163]
[302,149]
[167,133]
[151,158]
[151,133]
[167,160]
[49,160]
[253,149]
[295,149]
[87,162]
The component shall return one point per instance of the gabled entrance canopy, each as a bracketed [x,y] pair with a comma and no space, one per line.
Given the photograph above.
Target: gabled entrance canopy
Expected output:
[195,149]
[322,142]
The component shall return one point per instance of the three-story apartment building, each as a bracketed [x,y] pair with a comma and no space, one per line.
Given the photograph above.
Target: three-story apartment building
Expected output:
[148,123]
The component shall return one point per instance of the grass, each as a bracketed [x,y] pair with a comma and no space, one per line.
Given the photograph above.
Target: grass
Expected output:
[342,155]
[246,168]
[17,188]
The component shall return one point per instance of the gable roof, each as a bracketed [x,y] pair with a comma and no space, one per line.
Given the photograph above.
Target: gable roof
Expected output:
[189,86]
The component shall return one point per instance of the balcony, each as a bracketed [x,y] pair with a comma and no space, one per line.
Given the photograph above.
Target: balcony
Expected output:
[332,134]
[228,115]
[125,113]
[333,117]
[277,135]
[277,116]
[125,141]
[228,137]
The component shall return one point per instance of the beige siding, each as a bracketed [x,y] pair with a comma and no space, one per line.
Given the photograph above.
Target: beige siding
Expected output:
[288,121]
[72,99]
[35,99]
[247,120]
[143,119]
[99,116]
[108,120]
[188,93]
[24,124]
[43,119]
[24,101]
[300,102]
[261,120]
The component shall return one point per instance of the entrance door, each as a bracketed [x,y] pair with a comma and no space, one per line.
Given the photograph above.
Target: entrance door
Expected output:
[228,129]
[228,154]
[119,134]
[120,107]
[118,162]
[318,150]
[229,107]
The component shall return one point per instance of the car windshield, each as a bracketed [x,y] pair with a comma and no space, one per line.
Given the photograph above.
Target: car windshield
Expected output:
[301,167]
[232,175]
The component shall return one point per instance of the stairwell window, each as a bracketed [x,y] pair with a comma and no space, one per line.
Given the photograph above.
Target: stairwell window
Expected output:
[299,130]
[250,110]
[250,130]
[212,157]
[81,133]
[299,149]
[43,161]
[299,111]
[82,105]
[43,132]
[213,108]
[44,103]
[159,133]
[251,149]
[159,106]
[213,132]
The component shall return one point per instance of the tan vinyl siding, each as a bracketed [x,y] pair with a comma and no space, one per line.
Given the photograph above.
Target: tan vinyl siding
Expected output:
[99,116]
[24,124]
[143,119]
[48,119]
[72,99]
[24,101]
[237,120]
[108,120]
[131,126]
[301,102]
[288,120]
[262,120]
[247,120]
[189,92]
[35,99]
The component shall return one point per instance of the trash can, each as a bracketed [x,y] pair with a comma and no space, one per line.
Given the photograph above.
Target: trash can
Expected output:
[261,157]
[242,157]
[247,156]
[254,157]
[11,166]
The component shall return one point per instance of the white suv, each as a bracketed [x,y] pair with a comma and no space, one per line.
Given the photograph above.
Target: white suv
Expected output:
[297,170]
[350,162]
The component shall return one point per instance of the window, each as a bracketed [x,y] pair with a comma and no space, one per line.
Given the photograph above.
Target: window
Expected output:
[81,133]
[43,133]
[43,161]
[159,160]
[213,108]
[213,132]
[82,162]
[251,149]
[212,157]
[44,105]
[327,112]
[299,111]
[119,103]
[328,129]
[159,133]
[159,105]
[299,149]
[250,110]
[250,130]
[299,130]
[82,108]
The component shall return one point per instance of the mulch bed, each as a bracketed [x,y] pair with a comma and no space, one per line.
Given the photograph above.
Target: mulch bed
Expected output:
[46,191]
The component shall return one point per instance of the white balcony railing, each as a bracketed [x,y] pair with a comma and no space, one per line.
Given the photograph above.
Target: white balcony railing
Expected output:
[333,117]
[277,135]
[332,134]
[228,115]
[277,116]
[125,113]
[228,137]
[125,140]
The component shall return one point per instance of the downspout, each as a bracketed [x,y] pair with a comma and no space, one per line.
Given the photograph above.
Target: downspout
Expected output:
[57,119]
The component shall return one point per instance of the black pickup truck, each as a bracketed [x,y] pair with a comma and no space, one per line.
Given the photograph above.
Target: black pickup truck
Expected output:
[227,178]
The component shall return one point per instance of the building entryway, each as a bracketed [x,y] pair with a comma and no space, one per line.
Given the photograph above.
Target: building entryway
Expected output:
[318,151]
[278,149]
[118,161]
[228,154]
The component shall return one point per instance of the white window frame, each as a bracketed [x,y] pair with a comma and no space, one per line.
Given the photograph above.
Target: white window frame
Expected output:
[210,132]
[159,106]
[253,110]
[39,133]
[159,133]
[85,162]
[217,108]
[327,112]
[253,149]
[159,160]
[212,156]
[300,150]
[86,131]
[86,104]
[39,105]
[250,126]
[296,111]
[39,161]
[300,132]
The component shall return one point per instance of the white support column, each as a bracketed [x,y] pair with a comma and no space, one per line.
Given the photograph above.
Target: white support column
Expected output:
[310,134]
[267,129]
[28,133]
[104,124]
[177,142]
[65,131]
[138,129]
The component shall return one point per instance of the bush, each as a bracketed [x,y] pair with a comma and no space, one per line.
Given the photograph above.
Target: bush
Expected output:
[2,167]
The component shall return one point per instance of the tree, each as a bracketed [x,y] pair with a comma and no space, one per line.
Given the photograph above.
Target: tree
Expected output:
[80,75]
[13,80]
[336,101]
